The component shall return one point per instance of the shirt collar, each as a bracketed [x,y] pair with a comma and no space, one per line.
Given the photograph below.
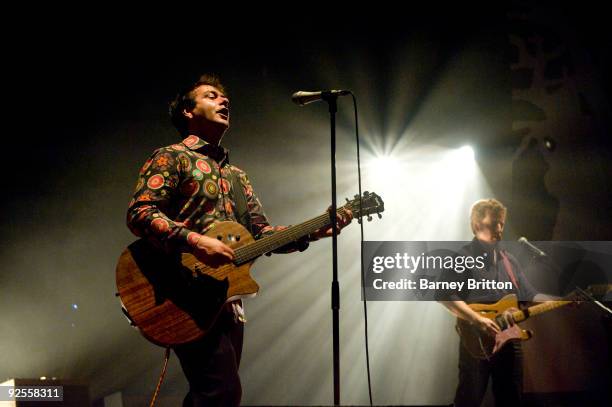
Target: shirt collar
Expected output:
[217,153]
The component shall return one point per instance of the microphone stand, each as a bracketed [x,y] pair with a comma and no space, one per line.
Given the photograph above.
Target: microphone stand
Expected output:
[332,100]
[590,297]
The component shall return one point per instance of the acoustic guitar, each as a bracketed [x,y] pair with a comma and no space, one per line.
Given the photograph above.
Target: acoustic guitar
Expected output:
[175,299]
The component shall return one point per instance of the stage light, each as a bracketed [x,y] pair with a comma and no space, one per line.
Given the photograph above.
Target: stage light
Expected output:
[459,163]
[382,172]
[467,153]
[384,166]
[550,144]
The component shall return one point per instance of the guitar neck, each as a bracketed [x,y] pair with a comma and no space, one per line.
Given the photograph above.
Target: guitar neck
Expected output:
[279,239]
[595,289]
[546,306]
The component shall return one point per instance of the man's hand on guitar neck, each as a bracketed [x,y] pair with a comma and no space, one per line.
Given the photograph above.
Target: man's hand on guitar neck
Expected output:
[342,219]
[212,252]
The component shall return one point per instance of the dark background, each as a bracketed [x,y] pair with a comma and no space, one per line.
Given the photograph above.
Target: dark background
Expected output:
[86,104]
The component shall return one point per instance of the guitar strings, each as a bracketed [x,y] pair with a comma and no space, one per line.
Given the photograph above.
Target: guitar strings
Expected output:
[269,243]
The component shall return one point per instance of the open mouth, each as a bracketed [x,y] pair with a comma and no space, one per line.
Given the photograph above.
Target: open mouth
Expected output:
[224,113]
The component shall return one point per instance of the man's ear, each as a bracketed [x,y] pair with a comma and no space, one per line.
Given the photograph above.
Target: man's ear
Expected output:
[187,114]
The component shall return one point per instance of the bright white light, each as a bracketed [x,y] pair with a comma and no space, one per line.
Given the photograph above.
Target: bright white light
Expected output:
[381,173]
[467,153]
[384,166]
[460,163]
[427,192]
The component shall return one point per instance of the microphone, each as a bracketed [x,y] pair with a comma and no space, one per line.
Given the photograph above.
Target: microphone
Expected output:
[303,98]
[530,247]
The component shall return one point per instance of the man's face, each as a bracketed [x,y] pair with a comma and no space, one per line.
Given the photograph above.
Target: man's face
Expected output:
[210,114]
[491,228]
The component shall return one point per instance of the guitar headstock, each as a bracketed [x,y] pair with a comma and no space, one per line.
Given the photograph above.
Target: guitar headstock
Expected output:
[594,290]
[369,204]
[591,293]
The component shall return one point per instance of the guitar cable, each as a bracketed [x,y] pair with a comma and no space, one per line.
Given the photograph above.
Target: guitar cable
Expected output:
[363,291]
[161,377]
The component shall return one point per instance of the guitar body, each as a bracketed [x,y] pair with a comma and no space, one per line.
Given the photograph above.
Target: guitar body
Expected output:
[481,345]
[174,300]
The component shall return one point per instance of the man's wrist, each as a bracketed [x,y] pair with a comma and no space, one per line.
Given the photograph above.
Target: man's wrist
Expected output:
[193,238]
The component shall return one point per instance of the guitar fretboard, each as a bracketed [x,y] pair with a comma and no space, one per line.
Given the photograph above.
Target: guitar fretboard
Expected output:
[279,239]
[539,309]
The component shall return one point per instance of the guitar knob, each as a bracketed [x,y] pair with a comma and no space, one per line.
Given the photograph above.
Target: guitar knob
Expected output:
[237,238]
[219,237]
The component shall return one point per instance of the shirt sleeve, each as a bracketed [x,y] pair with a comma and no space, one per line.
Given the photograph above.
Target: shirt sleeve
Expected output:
[259,220]
[150,211]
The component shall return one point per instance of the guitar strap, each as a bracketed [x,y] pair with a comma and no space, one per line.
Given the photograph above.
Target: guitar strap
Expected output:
[242,209]
[508,268]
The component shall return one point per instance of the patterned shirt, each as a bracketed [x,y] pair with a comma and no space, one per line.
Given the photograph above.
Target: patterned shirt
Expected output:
[183,189]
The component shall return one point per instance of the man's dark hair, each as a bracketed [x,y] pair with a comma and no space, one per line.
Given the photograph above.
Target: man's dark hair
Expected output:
[184,100]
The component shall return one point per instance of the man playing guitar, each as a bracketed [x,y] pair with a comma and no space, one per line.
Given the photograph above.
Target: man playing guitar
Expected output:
[183,190]
[505,367]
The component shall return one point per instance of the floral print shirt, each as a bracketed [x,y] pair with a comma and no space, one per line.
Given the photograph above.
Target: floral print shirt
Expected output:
[183,189]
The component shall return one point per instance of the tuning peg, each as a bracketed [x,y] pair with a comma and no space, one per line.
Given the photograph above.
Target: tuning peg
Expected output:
[379,215]
[369,218]
[356,196]
[366,194]
[359,221]
[347,200]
